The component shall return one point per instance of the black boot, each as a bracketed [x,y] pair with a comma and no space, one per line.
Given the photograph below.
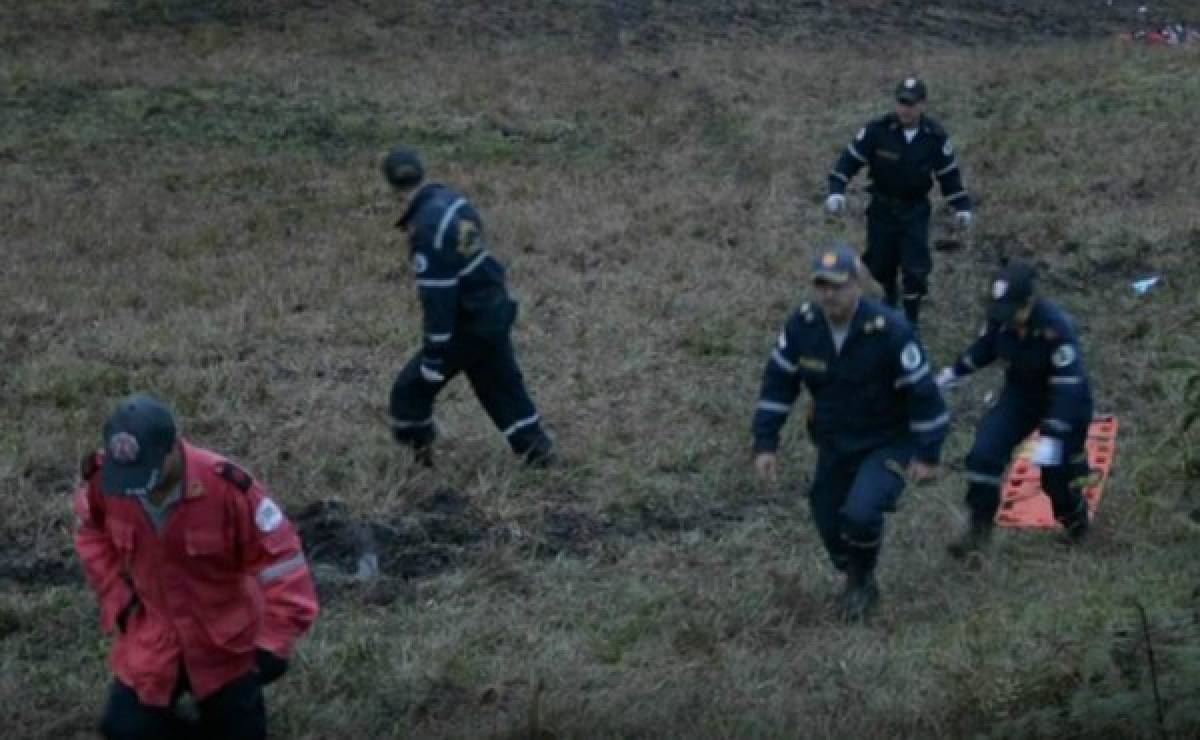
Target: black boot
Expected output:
[973,541]
[423,456]
[860,595]
[541,454]
[1076,525]
[912,310]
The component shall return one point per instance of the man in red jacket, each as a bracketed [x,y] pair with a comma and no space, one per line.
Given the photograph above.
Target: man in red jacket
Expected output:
[198,573]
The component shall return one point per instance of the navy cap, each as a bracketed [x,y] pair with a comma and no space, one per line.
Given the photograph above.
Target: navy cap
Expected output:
[403,168]
[835,264]
[1011,290]
[910,90]
[137,439]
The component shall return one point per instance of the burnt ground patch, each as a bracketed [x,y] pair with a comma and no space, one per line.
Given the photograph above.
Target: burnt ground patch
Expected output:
[433,533]
[444,530]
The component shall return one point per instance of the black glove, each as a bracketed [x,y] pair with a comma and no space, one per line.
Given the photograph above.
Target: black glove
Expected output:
[270,666]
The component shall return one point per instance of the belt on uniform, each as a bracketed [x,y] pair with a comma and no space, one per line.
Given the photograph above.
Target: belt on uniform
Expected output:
[893,201]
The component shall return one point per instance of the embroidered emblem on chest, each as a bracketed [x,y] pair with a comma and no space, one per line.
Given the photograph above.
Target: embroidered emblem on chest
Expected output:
[812,364]
[1063,356]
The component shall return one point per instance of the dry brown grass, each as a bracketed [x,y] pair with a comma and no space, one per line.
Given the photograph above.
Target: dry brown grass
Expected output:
[195,211]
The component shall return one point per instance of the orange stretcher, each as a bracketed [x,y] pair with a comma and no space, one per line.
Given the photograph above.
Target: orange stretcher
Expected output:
[1023,504]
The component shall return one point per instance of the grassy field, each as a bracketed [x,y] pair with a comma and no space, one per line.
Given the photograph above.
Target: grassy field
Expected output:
[191,206]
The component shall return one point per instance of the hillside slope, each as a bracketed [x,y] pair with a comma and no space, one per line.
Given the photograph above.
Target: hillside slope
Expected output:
[191,206]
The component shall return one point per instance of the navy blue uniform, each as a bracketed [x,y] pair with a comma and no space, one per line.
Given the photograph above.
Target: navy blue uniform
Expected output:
[874,408]
[901,175]
[468,317]
[1046,388]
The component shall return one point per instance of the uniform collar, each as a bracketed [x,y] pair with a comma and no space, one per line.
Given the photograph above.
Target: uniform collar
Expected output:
[193,477]
[424,193]
[855,325]
[922,126]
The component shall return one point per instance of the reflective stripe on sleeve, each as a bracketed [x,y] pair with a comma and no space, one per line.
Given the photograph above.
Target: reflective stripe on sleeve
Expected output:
[447,217]
[283,568]
[929,426]
[775,407]
[984,478]
[1057,425]
[914,377]
[782,362]
[437,283]
[474,263]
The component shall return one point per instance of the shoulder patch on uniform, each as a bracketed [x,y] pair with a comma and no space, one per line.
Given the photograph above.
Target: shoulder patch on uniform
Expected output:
[89,465]
[235,475]
[469,242]
[420,263]
[1063,356]
[910,356]
[267,517]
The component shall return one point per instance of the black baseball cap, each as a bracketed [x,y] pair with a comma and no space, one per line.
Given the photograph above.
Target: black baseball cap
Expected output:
[402,168]
[835,264]
[1011,290]
[137,439]
[910,90]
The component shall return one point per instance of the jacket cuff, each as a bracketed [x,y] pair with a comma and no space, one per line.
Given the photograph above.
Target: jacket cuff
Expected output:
[761,444]
[276,646]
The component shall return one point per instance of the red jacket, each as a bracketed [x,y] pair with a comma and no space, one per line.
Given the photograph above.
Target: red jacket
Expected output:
[225,576]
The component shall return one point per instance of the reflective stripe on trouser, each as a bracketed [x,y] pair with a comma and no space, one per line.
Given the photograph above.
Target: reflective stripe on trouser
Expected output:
[999,432]
[490,365]
[898,240]
[411,404]
[1059,481]
[849,496]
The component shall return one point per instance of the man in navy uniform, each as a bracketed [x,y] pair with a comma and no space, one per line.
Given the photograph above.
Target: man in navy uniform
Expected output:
[904,152]
[468,318]
[1046,388]
[876,417]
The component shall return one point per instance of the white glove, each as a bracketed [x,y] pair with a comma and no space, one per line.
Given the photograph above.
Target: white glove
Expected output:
[947,379]
[1048,452]
[835,203]
[964,219]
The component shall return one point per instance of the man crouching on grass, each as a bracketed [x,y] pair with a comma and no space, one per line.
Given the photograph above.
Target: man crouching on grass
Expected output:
[198,573]
[877,416]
